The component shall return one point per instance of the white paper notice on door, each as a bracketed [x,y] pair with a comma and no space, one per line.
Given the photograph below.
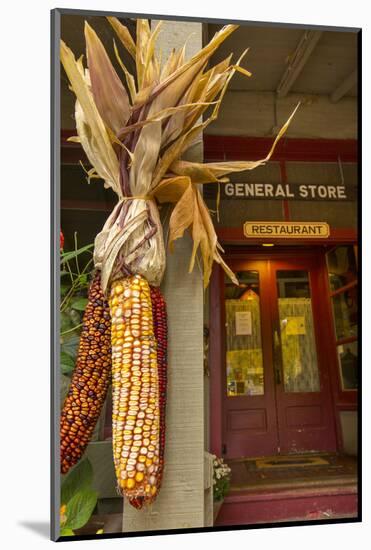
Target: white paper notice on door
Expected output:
[243,323]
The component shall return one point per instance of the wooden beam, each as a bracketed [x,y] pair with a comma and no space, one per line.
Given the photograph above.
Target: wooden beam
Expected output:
[299,58]
[344,87]
[220,147]
[180,503]
[252,113]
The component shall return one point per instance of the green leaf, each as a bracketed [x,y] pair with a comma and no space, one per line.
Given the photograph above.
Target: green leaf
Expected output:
[70,344]
[83,279]
[80,507]
[78,479]
[66,532]
[79,304]
[66,323]
[67,363]
[65,289]
[75,316]
[67,256]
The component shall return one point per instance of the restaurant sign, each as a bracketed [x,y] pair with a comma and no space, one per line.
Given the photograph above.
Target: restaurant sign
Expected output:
[287,230]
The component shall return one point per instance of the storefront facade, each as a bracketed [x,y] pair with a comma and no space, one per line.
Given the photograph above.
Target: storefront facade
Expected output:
[283,345]
[285,341]
[280,372]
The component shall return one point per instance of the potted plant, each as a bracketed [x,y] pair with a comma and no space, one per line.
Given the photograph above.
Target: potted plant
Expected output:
[221,483]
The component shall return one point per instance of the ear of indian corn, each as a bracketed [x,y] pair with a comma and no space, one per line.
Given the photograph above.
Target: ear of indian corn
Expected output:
[135,390]
[160,330]
[160,326]
[90,379]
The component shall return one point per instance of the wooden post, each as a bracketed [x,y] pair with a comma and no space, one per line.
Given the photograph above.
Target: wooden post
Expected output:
[180,503]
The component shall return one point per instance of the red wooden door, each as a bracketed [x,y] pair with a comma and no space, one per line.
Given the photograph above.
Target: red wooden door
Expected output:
[277,389]
[250,418]
[305,416]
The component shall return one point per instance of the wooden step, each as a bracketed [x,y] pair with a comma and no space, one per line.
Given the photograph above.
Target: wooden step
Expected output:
[327,501]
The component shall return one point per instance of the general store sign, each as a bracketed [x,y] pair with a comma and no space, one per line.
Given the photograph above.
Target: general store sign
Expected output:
[287,230]
[280,191]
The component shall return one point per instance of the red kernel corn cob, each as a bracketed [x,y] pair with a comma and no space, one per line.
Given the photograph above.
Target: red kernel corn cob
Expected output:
[160,325]
[90,379]
[135,390]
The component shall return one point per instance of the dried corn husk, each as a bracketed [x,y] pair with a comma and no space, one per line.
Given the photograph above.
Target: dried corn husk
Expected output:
[135,143]
[109,93]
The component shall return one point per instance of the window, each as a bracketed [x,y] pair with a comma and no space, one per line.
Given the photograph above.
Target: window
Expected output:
[298,345]
[244,360]
[342,272]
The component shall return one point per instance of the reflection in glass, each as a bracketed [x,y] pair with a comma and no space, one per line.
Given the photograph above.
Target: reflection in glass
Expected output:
[341,266]
[244,356]
[348,362]
[345,313]
[299,356]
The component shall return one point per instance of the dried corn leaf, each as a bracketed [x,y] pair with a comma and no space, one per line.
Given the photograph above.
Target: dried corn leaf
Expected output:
[172,153]
[151,74]
[190,212]
[145,157]
[175,60]
[232,70]
[213,75]
[171,189]
[143,37]
[176,124]
[186,140]
[198,172]
[161,115]
[220,68]
[173,92]
[204,236]
[109,94]
[218,85]
[88,142]
[210,92]
[182,216]
[202,55]
[94,126]
[167,106]
[130,80]
[124,35]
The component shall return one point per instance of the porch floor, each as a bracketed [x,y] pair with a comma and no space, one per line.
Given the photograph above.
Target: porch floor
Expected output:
[247,476]
[326,489]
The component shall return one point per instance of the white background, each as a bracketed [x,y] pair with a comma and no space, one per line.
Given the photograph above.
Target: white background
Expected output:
[24,248]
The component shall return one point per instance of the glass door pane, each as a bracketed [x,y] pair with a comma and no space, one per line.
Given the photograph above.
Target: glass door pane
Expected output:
[348,361]
[345,309]
[243,336]
[298,345]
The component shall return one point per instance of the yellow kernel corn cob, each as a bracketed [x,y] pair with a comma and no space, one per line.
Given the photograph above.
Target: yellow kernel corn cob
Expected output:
[90,379]
[135,390]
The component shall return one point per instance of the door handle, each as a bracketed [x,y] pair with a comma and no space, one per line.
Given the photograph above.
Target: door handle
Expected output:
[276,357]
